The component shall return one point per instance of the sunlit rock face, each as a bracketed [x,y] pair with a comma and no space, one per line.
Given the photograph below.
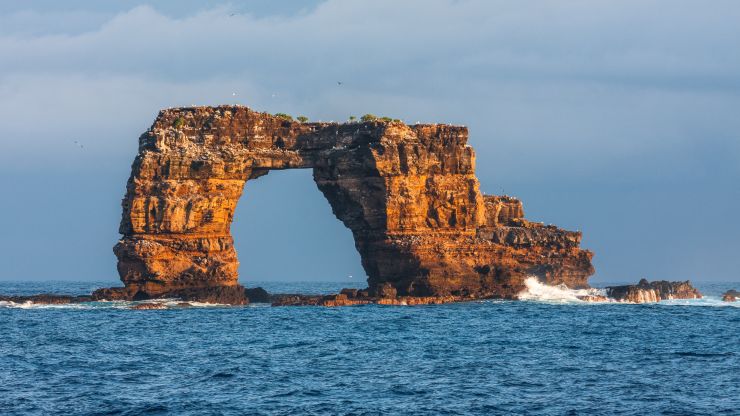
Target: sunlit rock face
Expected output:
[648,292]
[409,195]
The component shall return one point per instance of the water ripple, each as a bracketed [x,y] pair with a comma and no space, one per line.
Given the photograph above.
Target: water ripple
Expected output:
[458,359]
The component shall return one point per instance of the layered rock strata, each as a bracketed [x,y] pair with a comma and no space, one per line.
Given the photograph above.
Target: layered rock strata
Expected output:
[646,292]
[408,193]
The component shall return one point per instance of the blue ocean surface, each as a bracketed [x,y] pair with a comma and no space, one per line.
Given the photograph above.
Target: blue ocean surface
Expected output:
[550,357]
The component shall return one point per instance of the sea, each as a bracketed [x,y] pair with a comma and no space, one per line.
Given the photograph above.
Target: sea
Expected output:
[548,355]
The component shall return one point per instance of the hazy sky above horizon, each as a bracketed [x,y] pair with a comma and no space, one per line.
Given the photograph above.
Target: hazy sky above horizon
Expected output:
[617,118]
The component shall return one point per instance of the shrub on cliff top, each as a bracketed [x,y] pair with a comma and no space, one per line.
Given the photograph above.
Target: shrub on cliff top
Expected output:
[369,117]
[284,116]
[302,119]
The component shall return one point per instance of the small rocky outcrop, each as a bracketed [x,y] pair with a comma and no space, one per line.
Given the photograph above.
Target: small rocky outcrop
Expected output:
[257,295]
[228,295]
[731,295]
[647,292]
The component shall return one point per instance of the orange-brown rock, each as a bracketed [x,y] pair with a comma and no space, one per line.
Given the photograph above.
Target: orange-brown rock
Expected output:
[648,292]
[409,195]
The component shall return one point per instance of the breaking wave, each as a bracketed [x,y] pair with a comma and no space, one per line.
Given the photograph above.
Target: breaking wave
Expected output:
[538,291]
[160,303]
[31,305]
[713,301]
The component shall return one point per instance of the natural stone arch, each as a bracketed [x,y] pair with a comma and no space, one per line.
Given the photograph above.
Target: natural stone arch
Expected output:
[409,195]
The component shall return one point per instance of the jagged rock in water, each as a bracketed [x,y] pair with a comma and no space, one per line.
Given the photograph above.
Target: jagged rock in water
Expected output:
[258,295]
[409,195]
[231,295]
[646,292]
[731,295]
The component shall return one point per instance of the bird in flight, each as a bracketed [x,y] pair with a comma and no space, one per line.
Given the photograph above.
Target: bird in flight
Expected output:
[79,144]
[339,82]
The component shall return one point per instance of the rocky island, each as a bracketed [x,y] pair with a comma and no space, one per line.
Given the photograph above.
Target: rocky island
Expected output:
[408,193]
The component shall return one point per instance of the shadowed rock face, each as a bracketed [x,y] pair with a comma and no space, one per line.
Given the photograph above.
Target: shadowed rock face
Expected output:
[409,195]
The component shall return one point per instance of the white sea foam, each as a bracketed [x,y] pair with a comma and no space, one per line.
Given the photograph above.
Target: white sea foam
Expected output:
[538,291]
[712,301]
[31,305]
[167,303]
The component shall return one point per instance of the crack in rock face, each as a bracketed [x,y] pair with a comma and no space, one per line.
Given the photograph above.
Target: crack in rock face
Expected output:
[408,193]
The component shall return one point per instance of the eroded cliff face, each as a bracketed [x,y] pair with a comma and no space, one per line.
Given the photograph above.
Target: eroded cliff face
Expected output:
[409,195]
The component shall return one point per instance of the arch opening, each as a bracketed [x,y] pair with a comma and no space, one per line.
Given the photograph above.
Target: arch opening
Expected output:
[284,230]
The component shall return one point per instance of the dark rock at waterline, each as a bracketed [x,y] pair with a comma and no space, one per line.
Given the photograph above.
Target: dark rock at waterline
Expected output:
[384,290]
[656,291]
[229,295]
[257,295]
[731,295]
[349,293]
[148,306]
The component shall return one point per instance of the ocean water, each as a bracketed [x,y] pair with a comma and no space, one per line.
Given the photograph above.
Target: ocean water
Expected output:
[550,355]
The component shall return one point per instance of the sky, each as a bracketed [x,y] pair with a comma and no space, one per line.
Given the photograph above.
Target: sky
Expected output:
[616,118]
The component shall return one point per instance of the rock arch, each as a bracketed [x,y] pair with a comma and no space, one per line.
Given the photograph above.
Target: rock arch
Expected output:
[409,195]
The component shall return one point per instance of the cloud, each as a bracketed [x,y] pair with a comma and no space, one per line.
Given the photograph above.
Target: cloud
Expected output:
[566,77]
